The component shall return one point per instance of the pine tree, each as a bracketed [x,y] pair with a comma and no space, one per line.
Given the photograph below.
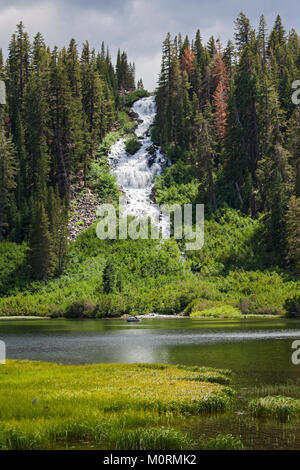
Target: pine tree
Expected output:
[61,124]
[140,85]
[8,183]
[206,144]
[187,60]
[229,57]
[220,96]
[293,144]
[57,212]
[242,31]
[36,115]
[211,47]
[275,220]
[243,131]
[262,37]
[2,75]
[41,255]
[293,234]
[109,277]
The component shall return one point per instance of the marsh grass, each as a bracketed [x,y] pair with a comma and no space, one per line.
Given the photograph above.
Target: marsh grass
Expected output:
[222,442]
[279,407]
[118,406]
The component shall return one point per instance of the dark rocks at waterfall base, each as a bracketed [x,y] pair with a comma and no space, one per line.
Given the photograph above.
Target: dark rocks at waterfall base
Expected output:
[133,114]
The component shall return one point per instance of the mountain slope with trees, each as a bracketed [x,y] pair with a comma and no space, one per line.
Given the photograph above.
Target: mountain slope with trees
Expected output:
[60,106]
[226,120]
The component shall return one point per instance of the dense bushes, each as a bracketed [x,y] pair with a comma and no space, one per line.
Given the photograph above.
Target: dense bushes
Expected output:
[223,311]
[292,306]
[177,185]
[132,145]
[103,182]
[231,242]
[14,271]
[130,98]
[149,276]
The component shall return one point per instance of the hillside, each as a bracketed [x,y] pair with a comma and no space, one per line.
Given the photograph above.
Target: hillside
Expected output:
[53,264]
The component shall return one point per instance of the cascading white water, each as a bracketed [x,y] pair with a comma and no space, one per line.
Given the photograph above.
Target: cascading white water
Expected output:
[135,173]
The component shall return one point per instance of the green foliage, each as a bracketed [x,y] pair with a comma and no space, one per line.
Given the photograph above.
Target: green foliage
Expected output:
[109,278]
[132,145]
[177,185]
[14,272]
[293,234]
[257,292]
[8,169]
[277,407]
[70,406]
[231,241]
[222,113]
[224,311]
[106,143]
[292,306]
[41,254]
[130,98]
[103,182]
[126,123]
[222,442]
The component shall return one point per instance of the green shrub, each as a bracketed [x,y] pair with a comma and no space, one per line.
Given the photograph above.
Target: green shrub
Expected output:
[223,442]
[198,305]
[278,407]
[14,272]
[225,311]
[177,185]
[232,242]
[81,309]
[130,98]
[126,123]
[103,182]
[292,306]
[110,139]
[132,145]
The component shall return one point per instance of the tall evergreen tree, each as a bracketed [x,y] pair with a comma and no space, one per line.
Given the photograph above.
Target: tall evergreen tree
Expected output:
[8,170]
[41,254]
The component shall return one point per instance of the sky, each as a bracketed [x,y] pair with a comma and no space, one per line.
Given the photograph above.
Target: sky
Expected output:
[137,26]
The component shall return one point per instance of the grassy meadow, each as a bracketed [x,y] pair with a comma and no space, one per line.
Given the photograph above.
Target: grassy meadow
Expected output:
[112,406]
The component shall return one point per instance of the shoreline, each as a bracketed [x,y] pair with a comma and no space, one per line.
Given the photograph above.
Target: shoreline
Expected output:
[23,317]
[154,316]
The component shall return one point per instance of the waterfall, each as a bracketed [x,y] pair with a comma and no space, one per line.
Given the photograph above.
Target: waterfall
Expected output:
[135,173]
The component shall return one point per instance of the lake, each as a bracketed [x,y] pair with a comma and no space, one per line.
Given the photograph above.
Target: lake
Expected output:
[258,351]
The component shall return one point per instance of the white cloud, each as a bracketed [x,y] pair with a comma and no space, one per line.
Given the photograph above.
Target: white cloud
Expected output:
[137,26]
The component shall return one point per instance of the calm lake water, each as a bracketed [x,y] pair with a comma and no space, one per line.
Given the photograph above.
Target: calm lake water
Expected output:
[258,351]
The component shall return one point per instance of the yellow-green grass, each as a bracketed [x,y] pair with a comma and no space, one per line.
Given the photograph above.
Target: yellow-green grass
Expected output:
[222,442]
[224,311]
[117,406]
[276,407]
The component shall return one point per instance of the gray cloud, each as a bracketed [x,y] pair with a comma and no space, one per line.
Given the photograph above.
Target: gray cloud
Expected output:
[138,26]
